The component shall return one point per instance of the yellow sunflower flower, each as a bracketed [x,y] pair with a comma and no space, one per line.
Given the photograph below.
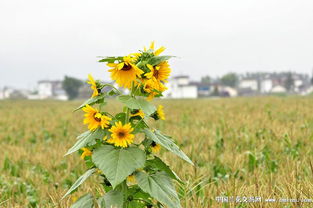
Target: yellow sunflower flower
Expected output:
[152,45]
[95,119]
[93,86]
[131,179]
[121,135]
[86,152]
[125,73]
[74,198]
[160,112]
[159,72]
[149,86]
[159,51]
[138,113]
[156,52]
[134,57]
[155,148]
[153,87]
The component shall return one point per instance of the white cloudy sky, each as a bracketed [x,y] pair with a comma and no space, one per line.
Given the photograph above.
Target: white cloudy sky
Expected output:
[47,39]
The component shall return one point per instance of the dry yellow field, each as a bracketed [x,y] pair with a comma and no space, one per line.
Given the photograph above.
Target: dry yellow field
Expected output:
[245,147]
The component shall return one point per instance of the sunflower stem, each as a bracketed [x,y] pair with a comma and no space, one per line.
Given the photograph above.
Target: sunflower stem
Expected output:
[110,85]
[128,110]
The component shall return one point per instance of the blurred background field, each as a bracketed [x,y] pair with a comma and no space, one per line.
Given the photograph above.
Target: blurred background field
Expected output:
[253,147]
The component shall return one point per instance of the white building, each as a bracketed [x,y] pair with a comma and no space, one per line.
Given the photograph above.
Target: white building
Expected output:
[51,89]
[266,86]
[228,91]
[278,89]
[6,92]
[180,87]
[249,83]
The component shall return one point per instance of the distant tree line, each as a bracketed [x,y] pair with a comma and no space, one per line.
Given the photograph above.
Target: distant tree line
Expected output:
[71,86]
[229,79]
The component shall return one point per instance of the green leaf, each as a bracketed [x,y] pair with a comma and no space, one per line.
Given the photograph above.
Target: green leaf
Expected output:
[166,142]
[113,199]
[158,59]
[86,138]
[79,181]
[101,202]
[83,135]
[137,193]
[85,201]
[147,107]
[117,164]
[159,186]
[92,101]
[135,204]
[112,92]
[138,126]
[119,117]
[111,59]
[158,164]
[138,103]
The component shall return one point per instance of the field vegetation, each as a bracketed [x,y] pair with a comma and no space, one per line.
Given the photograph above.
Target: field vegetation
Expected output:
[246,147]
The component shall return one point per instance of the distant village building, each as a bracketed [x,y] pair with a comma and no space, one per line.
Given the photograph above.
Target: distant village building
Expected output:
[278,89]
[6,92]
[51,90]
[12,93]
[249,83]
[226,91]
[204,89]
[266,83]
[180,87]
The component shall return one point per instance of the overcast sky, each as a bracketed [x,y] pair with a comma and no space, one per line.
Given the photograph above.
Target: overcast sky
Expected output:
[47,39]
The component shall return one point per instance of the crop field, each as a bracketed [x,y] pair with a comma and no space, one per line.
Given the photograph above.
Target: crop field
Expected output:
[242,147]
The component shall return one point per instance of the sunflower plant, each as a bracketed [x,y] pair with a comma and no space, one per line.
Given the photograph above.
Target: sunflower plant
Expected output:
[122,149]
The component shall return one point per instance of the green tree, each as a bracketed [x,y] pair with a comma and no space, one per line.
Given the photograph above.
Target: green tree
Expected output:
[206,79]
[71,86]
[215,91]
[230,79]
[289,82]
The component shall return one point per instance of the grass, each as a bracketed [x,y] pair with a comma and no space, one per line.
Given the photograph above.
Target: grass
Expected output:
[247,147]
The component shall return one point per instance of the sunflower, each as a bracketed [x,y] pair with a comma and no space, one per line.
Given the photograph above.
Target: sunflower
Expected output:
[150,86]
[121,134]
[159,72]
[93,86]
[137,113]
[135,57]
[86,152]
[153,87]
[125,72]
[155,148]
[131,179]
[94,118]
[156,52]
[160,112]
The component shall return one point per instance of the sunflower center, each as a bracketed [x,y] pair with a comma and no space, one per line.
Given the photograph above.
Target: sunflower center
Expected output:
[97,117]
[147,87]
[156,74]
[126,67]
[121,134]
